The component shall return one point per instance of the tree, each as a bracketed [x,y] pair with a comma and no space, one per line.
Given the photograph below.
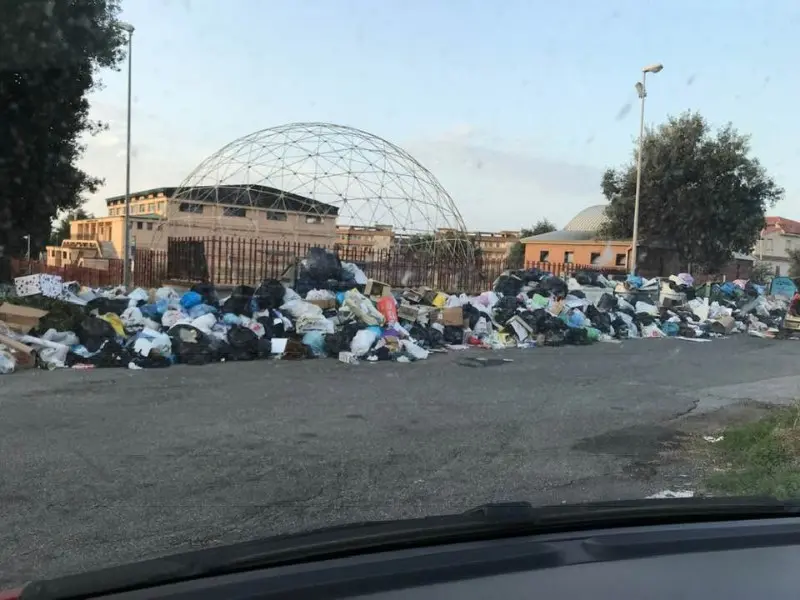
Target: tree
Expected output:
[763,272]
[61,229]
[794,262]
[50,55]
[702,193]
[516,254]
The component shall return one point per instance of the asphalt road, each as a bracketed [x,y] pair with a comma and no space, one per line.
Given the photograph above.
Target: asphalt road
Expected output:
[108,466]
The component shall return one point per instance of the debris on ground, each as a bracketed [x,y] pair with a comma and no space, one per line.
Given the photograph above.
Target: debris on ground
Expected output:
[332,309]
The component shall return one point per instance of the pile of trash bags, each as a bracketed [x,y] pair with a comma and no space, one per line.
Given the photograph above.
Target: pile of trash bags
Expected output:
[332,309]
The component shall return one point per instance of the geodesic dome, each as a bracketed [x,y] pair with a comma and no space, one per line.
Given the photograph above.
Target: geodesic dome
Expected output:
[325,169]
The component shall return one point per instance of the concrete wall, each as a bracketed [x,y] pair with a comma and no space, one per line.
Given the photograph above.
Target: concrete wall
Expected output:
[601,253]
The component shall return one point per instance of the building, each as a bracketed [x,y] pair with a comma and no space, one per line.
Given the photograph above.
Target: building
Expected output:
[778,237]
[578,243]
[494,246]
[377,237]
[235,211]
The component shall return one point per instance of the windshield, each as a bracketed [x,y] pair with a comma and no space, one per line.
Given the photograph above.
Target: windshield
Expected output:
[266,267]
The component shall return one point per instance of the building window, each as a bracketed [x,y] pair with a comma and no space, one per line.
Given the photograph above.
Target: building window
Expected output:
[569,256]
[138,224]
[276,216]
[788,245]
[150,208]
[619,260]
[594,258]
[234,211]
[313,219]
[544,255]
[149,227]
[769,245]
[188,207]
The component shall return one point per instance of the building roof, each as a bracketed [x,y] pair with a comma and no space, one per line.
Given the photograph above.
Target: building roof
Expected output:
[590,218]
[560,236]
[782,224]
[259,196]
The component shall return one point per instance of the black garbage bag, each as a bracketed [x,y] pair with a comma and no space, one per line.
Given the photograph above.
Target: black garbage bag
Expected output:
[531,276]
[577,293]
[577,336]
[621,330]
[587,278]
[243,343]
[93,332]
[453,334]
[208,292]
[152,361]
[508,285]
[472,314]
[554,337]
[553,285]
[600,320]
[239,301]
[607,302]
[191,346]
[531,318]
[340,340]
[322,264]
[429,337]
[110,354]
[108,305]
[269,295]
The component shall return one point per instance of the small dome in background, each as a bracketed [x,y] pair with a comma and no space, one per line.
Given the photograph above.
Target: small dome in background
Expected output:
[590,218]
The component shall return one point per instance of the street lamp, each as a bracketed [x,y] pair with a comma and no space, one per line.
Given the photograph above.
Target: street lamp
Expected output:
[641,90]
[126,264]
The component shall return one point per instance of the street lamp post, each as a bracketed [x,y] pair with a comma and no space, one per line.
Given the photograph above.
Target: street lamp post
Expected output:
[641,89]
[126,262]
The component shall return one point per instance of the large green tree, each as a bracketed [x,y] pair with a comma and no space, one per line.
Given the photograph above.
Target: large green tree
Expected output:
[702,192]
[516,254]
[50,55]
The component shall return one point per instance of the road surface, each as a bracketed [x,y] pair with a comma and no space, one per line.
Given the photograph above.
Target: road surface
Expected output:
[108,466]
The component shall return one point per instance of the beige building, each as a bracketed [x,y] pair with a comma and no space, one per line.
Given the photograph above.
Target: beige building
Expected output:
[378,237]
[778,237]
[225,211]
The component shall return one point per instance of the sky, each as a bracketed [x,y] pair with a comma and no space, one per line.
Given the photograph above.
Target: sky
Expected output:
[516,107]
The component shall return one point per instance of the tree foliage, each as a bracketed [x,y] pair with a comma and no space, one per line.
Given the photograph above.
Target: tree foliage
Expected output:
[702,193]
[794,262]
[50,55]
[516,254]
[61,229]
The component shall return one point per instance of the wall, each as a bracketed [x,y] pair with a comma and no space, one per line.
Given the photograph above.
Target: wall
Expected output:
[254,224]
[583,252]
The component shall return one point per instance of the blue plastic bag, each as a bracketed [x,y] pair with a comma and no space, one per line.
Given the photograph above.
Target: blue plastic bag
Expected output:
[190,299]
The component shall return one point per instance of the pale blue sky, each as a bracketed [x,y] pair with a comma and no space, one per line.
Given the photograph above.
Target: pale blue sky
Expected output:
[516,106]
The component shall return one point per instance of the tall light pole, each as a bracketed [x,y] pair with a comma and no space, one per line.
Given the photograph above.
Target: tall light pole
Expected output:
[641,89]
[126,264]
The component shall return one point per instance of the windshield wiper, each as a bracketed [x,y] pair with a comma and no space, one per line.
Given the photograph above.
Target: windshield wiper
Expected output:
[490,521]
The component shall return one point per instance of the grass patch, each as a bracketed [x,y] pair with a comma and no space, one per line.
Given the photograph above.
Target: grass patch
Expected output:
[759,458]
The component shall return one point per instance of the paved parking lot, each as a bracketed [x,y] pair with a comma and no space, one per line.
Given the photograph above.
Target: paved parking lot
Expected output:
[107,466]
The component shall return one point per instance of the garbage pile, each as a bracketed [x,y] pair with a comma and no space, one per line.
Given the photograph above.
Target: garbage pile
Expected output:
[328,308]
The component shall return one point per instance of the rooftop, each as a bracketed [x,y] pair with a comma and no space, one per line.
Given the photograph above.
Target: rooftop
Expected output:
[590,218]
[257,196]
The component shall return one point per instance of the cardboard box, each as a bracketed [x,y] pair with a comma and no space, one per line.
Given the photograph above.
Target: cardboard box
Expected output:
[20,318]
[414,296]
[377,289]
[452,316]
[521,329]
[32,285]
[407,312]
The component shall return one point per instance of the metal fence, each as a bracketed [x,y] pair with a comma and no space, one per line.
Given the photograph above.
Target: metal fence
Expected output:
[234,261]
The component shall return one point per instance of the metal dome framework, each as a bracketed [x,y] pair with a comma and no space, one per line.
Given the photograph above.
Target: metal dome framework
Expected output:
[321,169]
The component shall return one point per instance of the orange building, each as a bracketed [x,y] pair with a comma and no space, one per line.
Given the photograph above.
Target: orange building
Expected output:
[578,243]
